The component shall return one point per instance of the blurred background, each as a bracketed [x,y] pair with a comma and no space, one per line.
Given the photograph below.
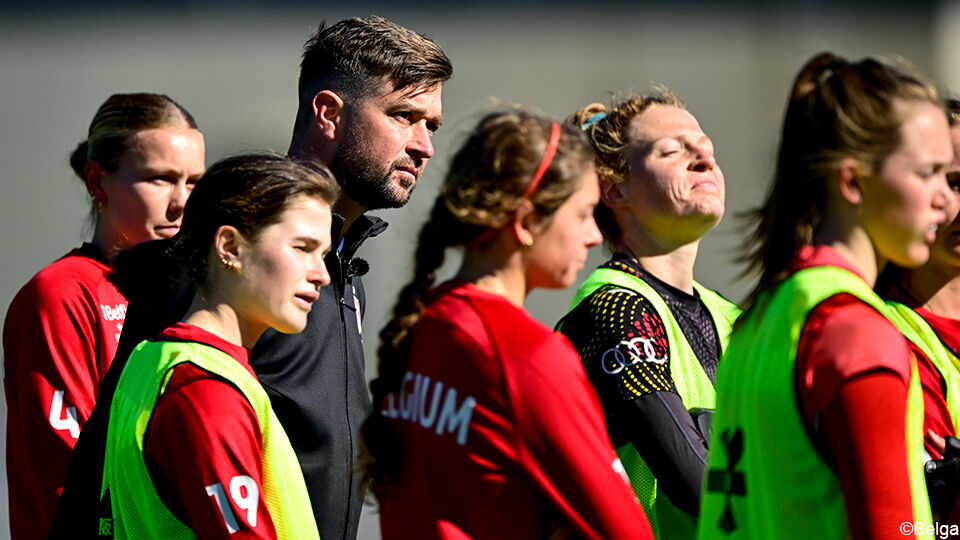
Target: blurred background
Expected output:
[234,65]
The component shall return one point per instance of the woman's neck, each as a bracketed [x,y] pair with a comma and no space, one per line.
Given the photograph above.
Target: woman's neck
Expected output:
[108,244]
[219,318]
[674,268]
[854,245]
[936,288]
[497,271]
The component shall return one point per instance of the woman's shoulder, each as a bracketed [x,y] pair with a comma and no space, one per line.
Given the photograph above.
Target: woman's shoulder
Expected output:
[73,282]
[72,271]
[855,337]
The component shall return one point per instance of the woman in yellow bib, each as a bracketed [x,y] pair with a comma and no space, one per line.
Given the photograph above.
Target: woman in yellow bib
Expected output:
[647,333]
[925,305]
[194,449]
[817,431]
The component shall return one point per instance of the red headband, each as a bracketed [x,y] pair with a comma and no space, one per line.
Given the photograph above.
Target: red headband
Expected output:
[546,161]
[537,176]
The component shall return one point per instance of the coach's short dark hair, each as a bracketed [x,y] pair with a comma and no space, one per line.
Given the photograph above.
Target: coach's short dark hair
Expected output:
[355,56]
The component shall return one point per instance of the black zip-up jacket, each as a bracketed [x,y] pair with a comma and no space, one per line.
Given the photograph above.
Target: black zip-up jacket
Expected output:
[316,383]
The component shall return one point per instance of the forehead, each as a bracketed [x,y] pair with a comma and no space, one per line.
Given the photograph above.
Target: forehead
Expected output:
[302,216]
[925,132]
[660,121]
[303,209]
[164,145]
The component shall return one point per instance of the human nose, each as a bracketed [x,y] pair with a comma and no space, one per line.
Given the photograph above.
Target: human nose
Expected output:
[318,275]
[703,158]
[594,236]
[179,193]
[944,198]
[421,141]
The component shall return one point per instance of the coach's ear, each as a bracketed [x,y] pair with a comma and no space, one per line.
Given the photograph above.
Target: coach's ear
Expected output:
[327,108]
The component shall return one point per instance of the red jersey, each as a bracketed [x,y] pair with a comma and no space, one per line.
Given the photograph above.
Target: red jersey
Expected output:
[936,416]
[59,337]
[502,434]
[204,433]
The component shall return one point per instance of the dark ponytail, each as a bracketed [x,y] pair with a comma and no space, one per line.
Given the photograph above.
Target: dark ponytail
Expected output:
[381,458]
[78,158]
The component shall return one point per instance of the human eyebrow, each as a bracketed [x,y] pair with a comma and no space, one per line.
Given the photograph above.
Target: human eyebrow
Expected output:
[157,172]
[417,112]
[309,240]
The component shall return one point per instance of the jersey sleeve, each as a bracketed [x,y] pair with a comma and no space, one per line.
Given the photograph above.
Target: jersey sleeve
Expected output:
[626,353]
[852,375]
[841,339]
[564,446]
[203,446]
[51,376]
[623,344]
[862,417]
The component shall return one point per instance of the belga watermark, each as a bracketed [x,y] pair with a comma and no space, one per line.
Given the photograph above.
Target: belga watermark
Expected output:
[937,529]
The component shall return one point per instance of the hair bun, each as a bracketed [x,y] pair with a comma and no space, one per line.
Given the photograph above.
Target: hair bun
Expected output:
[78,158]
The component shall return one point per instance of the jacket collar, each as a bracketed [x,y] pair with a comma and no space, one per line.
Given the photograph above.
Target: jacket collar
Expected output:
[363,228]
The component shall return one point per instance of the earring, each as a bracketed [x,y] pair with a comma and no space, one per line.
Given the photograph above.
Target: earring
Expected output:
[232,266]
[527,242]
[99,207]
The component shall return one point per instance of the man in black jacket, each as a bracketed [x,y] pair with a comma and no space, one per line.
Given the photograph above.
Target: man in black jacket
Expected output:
[369,105]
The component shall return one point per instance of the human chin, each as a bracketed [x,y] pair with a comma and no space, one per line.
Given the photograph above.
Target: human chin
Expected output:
[292,323]
[916,254]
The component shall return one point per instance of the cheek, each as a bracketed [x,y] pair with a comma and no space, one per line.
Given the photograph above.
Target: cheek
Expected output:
[153,199]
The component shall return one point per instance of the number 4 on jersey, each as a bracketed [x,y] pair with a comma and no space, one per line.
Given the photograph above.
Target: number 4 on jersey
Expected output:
[63,417]
[245,501]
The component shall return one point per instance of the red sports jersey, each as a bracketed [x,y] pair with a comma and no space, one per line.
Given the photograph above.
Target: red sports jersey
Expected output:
[503,436]
[204,433]
[936,416]
[59,337]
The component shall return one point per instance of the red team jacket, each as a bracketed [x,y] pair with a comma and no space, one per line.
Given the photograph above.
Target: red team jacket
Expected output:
[503,436]
[59,337]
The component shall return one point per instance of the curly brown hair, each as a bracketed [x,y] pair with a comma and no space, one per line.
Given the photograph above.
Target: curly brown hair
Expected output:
[608,128]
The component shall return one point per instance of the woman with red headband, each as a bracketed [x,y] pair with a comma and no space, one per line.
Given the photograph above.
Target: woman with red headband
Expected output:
[484,423]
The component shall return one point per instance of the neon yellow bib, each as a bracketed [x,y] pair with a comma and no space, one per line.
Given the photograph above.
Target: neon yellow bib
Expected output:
[693,386]
[137,510]
[948,365]
[764,477]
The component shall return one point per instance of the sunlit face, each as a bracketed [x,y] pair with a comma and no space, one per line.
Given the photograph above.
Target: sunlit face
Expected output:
[559,249]
[144,198]
[386,145]
[674,186]
[283,268]
[945,251]
[903,204]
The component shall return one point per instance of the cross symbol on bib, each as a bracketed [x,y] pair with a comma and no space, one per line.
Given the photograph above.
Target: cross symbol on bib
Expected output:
[728,481]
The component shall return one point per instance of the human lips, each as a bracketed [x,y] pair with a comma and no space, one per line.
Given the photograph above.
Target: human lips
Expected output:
[409,173]
[307,298]
[166,231]
[706,183]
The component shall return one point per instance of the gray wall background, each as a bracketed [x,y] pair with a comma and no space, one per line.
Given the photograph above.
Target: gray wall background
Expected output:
[235,69]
